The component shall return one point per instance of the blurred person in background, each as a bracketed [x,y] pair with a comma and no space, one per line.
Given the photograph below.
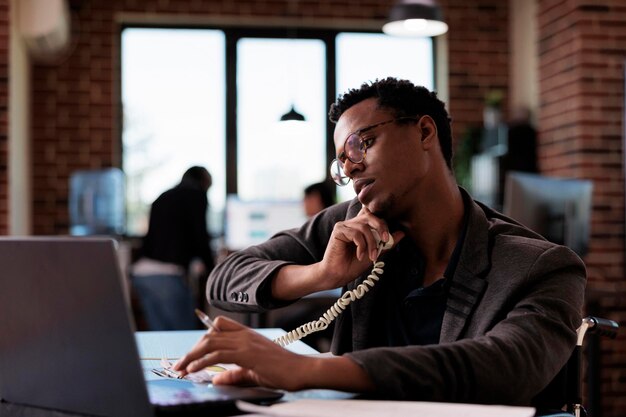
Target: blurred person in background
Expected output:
[177,237]
[317,197]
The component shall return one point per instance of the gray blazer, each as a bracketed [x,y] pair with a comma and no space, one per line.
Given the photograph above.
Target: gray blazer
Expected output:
[513,307]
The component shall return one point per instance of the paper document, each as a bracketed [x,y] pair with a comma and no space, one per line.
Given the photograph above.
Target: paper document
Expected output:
[365,408]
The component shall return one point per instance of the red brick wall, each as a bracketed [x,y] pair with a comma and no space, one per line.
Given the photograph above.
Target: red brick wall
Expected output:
[582,47]
[4,117]
[478,60]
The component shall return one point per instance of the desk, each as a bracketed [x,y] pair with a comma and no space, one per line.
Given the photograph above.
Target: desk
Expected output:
[177,343]
[174,344]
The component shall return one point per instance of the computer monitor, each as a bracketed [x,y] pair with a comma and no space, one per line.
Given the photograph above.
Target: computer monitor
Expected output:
[557,208]
[249,223]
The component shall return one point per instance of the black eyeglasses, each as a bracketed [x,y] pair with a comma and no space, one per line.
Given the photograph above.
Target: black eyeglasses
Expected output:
[354,149]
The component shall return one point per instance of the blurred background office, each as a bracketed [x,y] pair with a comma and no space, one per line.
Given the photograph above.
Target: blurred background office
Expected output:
[93,85]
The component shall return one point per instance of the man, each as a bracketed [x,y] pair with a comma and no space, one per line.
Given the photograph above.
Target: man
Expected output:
[317,197]
[177,234]
[471,307]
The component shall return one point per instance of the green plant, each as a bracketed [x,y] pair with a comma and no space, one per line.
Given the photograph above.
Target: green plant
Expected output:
[494,98]
[466,148]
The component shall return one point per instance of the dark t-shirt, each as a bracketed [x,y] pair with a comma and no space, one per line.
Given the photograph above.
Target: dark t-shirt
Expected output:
[417,319]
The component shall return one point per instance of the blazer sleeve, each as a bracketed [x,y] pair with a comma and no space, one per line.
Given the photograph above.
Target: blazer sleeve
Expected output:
[242,281]
[508,364]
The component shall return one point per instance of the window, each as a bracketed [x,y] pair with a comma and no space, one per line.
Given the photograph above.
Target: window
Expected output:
[277,160]
[173,99]
[214,97]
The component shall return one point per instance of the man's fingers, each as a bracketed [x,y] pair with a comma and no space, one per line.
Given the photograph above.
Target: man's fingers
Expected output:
[225,324]
[360,235]
[224,338]
[204,361]
[208,343]
[240,376]
[228,355]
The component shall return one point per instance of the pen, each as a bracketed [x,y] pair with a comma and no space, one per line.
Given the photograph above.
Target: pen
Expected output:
[206,320]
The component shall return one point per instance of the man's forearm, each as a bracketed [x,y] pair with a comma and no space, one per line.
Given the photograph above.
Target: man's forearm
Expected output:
[295,281]
[338,373]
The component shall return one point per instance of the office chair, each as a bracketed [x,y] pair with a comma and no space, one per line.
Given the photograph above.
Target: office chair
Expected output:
[573,390]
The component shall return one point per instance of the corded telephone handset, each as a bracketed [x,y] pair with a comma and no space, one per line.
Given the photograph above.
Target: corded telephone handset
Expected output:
[342,302]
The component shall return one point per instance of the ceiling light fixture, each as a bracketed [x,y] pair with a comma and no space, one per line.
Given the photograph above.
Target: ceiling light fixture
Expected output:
[292,115]
[415,18]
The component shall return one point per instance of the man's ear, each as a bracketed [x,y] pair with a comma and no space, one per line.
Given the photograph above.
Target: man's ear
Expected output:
[429,130]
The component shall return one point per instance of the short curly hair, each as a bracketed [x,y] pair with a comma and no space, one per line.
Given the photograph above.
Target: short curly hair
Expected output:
[403,98]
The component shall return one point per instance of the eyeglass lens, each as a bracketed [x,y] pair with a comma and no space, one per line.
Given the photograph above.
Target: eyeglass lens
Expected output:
[353,148]
[337,173]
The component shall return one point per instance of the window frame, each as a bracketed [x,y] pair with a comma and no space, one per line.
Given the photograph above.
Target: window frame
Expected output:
[232,35]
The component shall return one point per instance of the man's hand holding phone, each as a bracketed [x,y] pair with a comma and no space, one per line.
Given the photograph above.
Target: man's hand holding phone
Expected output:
[351,249]
[353,246]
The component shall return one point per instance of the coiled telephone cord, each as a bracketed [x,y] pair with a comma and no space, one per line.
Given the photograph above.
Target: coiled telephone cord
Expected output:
[335,310]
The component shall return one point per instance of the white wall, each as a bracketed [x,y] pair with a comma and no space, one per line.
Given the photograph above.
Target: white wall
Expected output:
[442,69]
[523,61]
[20,172]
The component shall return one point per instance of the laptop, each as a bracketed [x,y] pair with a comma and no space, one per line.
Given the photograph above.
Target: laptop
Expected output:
[67,339]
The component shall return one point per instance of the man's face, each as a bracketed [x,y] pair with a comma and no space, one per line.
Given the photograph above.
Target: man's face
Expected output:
[312,204]
[387,180]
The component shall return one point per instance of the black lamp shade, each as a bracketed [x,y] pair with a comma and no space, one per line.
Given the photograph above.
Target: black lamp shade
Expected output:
[292,115]
[415,18]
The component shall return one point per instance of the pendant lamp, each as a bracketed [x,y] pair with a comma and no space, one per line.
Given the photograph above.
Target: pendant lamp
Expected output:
[292,115]
[415,18]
